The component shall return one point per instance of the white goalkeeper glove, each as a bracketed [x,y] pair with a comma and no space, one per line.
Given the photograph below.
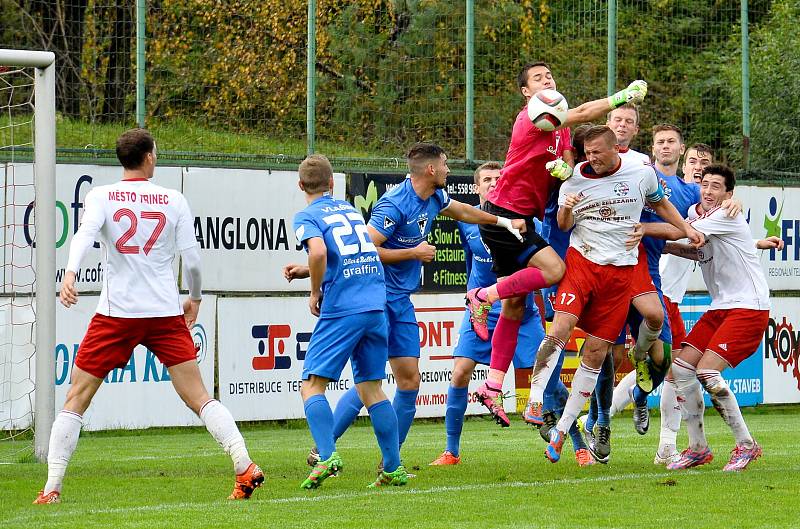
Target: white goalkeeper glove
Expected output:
[633,94]
[506,223]
[559,169]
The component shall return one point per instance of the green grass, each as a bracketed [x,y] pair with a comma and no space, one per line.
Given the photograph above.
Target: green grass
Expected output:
[177,135]
[180,479]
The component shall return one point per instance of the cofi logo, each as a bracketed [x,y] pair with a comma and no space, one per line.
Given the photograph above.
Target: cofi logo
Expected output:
[63,216]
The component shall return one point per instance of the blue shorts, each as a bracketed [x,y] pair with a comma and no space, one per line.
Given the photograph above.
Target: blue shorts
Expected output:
[360,337]
[402,327]
[635,319]
[470,346]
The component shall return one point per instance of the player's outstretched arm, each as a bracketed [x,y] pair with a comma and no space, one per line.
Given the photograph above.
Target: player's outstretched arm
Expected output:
[466,213]
[317,262]
[422,252]
[681,250]
[667,211]
[662,230]
[770,243]
[592,110]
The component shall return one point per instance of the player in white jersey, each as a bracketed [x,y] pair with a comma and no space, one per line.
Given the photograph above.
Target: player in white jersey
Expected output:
[624,121]
[140,226]
[730,331]
[603,201]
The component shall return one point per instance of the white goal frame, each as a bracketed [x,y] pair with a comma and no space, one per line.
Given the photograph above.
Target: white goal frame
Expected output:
[44,162]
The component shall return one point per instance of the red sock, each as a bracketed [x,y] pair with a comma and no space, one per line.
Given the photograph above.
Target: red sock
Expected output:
[504,342]
[521,283]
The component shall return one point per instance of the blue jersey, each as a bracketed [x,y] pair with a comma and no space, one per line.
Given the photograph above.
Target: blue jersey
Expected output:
[479,268]
[405,220]
[555,237]
[354,277]
[682,196]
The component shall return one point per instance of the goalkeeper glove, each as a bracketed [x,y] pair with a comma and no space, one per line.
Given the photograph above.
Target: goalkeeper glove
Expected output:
[633,94]
[559,169]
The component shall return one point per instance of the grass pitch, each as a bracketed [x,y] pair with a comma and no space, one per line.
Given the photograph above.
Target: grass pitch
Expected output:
[179,478]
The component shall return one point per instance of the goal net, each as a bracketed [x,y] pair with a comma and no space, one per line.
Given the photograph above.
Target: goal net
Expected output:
[27,300]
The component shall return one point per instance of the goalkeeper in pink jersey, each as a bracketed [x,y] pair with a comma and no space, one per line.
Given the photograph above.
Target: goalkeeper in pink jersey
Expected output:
[141,226]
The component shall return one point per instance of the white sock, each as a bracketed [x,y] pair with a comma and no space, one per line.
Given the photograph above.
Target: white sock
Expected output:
[670,415]
[725,403]
[622,393]
[583,383]
[690,397]
[220,424]
[546,358]
[646,339]
[63,440]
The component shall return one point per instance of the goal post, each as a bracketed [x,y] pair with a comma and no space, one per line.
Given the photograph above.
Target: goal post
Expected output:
[44,167]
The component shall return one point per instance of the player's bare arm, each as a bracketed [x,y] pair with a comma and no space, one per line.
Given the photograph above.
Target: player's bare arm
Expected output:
[466,213]
[317,262]
[681,250]
[295,271]
[667,211]
[422,252]
[770,243]
[594,110]
[68,294]
[565,217]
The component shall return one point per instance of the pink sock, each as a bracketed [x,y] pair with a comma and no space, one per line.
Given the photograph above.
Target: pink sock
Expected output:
[521,283]
[504,343]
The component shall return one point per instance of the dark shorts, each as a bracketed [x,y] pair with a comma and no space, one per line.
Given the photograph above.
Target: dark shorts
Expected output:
[509,255]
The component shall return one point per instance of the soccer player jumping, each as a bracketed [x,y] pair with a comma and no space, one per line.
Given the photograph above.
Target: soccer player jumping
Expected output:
[139,304]
[603,201]
[522,193]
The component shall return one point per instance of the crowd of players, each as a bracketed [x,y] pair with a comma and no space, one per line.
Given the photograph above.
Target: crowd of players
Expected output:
[579,217]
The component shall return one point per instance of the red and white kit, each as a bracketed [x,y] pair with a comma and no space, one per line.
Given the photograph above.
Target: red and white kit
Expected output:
[525,184]
[597,285]
[140,226]
[734,326]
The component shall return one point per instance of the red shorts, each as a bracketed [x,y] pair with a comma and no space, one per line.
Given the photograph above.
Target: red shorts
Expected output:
[641,282]
[733,334]
[598,295]
[109,342]
[676,324]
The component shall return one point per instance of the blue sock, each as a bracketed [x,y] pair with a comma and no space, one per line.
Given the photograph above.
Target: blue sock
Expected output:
[577,438]
[346,412]
[405,406]
[604,391]
[554,389]
[591,417]
[454,417]
[320,421]
[384,423]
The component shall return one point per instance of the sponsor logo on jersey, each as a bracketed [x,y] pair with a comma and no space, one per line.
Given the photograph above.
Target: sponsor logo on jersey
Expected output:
[607,211]
[723,346]
[622,189]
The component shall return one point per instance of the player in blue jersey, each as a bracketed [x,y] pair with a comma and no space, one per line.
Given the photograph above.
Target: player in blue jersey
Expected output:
[399,226]
[348,294]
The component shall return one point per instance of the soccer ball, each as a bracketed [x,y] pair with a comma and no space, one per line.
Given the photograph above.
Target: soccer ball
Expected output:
[547,109]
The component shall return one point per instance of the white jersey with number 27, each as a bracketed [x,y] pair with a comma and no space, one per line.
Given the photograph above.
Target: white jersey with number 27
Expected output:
[141,226]
[608,209]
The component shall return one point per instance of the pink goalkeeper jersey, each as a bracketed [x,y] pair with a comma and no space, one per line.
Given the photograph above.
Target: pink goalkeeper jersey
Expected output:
[729,262]
[140,226]
[608,209]
[525,184]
